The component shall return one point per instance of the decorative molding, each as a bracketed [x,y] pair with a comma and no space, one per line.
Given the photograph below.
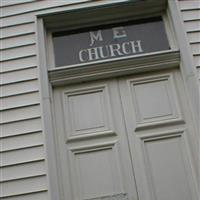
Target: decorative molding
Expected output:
[173,116]
[114,67]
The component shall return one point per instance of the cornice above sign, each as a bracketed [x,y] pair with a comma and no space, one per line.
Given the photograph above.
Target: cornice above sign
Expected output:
[110,41]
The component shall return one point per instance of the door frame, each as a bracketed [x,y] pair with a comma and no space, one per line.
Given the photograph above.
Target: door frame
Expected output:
[174,58]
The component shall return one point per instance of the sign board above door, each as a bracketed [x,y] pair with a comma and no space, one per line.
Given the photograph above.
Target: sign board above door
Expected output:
[110,41]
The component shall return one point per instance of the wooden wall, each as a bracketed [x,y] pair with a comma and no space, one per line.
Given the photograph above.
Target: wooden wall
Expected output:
[22,167]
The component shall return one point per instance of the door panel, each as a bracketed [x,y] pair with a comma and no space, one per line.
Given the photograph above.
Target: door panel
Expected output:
[158,131]
[125,139]
[92,141]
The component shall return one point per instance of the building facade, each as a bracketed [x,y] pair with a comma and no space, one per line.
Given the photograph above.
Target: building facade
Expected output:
[85,118]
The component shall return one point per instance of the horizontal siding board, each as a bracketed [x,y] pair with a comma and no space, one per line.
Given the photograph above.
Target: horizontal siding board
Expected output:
[20,142]
[192,26]
[194,37]
[19,30]
[17,52]
[18,114]
[18,41]
[32,196]
[195,48]
[197,61]
[19,88]
[18,64]
[23,171]
[189,4]
[19,101]
[22,156]
[5,3]
[18,76]
[24,186]
[17,20]
[35,6]
[21,127]
[191,15]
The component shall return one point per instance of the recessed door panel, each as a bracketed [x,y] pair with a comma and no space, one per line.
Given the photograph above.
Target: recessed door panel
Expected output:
[125,139]
[158,131]
[92,142]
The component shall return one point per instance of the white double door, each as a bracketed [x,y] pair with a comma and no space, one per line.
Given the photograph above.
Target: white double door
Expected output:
[125,139]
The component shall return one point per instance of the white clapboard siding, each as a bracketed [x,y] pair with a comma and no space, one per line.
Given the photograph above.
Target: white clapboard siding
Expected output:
[22,186]
[19,30]
[189,4]
[21,127]
[189,15]
[18,76]
[22,156]
[19,88]
[23,171]
[17,20]
[22,141]
[190,12]
[17,52]
[194,37]
[17,41]
[22,146]
[196,48]
[17,64]
[19,114]
[5,3]
[18,101]
[192,25]
[35,6]
[28,17]
[197,60]
[33,196]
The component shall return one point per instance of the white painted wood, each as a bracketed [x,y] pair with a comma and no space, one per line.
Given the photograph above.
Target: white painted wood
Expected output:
[167,168]
[23,171]
[19,34]
[18,76]
[5,3]
[21,127]
[189,15]
[22,156]
[31,196]
[19,101]
[19,88]
[19,30]
[15,53]
[195,49]
[189,4]
[22,141]
[18,41]
[35,6]
[17,20]
[197,60]
[99,164]
[192,26]
[150,176]
[87,112]
[188,68]
[155,100]
[18,64]
[19,114]
[194,37]
[24,186]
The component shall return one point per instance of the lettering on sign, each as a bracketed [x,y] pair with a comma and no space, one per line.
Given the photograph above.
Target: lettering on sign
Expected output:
[109,42]
[112,50]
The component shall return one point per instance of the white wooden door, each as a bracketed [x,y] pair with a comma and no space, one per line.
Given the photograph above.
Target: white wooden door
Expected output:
[92,141]
[161,135]
[124,139]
